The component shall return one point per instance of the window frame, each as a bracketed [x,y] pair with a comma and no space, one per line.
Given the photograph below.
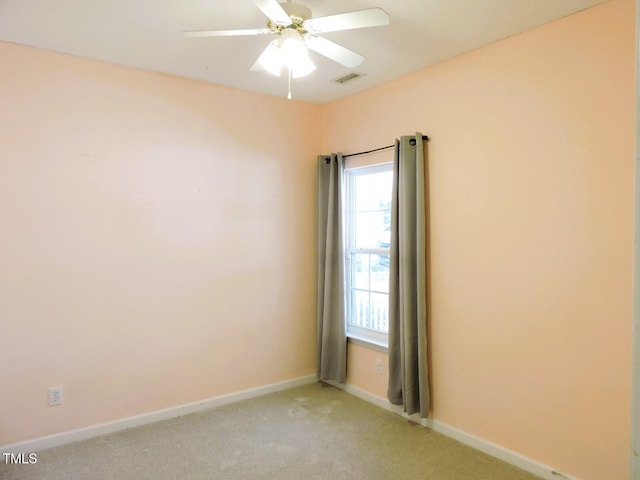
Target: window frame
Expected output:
[360,334]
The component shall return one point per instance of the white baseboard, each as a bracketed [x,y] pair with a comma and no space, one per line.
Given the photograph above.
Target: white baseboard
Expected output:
[514,458]
[509,456]
[497,451]
[50,441]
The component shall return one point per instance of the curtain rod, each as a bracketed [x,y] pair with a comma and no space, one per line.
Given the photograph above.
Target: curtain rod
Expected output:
[424,137]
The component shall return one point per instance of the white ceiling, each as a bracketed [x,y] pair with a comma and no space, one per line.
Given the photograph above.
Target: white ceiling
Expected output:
[147,34]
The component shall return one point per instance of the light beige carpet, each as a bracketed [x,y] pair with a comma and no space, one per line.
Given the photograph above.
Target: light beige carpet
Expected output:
[310,432]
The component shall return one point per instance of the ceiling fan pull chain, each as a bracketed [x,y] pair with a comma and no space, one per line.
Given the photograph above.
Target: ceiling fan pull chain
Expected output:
[289,96]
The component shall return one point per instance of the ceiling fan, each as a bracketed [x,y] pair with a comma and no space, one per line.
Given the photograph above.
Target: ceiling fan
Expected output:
[298,32]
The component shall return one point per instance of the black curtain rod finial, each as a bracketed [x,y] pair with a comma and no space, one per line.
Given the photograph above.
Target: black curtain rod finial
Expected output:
[413,140]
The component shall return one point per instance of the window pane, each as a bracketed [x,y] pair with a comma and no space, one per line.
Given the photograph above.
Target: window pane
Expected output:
[380,273]
[360,271]
[382,182]
[359,308]
[372,229]
[364,193]
[369,227]
[379,309]
[364,229]
[382,229]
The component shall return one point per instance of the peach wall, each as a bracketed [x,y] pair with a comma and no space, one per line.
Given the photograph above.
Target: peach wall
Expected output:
[531,164]
[361,369]
[157,241]
[145,263]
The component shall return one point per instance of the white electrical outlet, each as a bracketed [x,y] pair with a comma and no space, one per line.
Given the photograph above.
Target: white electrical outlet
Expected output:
[379,366]
[55,396]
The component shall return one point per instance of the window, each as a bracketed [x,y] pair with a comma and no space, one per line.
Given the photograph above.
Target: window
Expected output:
[368,231]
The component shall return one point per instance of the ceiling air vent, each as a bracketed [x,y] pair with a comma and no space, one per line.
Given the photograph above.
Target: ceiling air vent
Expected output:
[348,77]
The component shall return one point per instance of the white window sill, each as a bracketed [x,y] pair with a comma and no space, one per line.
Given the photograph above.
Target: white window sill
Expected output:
[367,343]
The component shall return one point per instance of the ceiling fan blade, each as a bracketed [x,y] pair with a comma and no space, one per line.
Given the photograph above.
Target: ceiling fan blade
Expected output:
[332,50]
[225,33]
[273,10]
[372,17]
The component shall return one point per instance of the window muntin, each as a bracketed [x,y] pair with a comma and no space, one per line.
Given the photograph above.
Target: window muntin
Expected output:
[368,222]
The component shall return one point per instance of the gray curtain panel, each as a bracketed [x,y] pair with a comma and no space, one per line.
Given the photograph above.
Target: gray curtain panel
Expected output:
[332,338]
[408,382]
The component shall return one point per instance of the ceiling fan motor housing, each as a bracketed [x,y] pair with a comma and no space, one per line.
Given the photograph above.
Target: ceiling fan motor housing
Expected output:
[296,11]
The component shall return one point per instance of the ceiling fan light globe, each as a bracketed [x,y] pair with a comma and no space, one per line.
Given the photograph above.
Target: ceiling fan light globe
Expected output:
[271,59]
[292,51]
[275,70]
[295,55]
[302,68]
